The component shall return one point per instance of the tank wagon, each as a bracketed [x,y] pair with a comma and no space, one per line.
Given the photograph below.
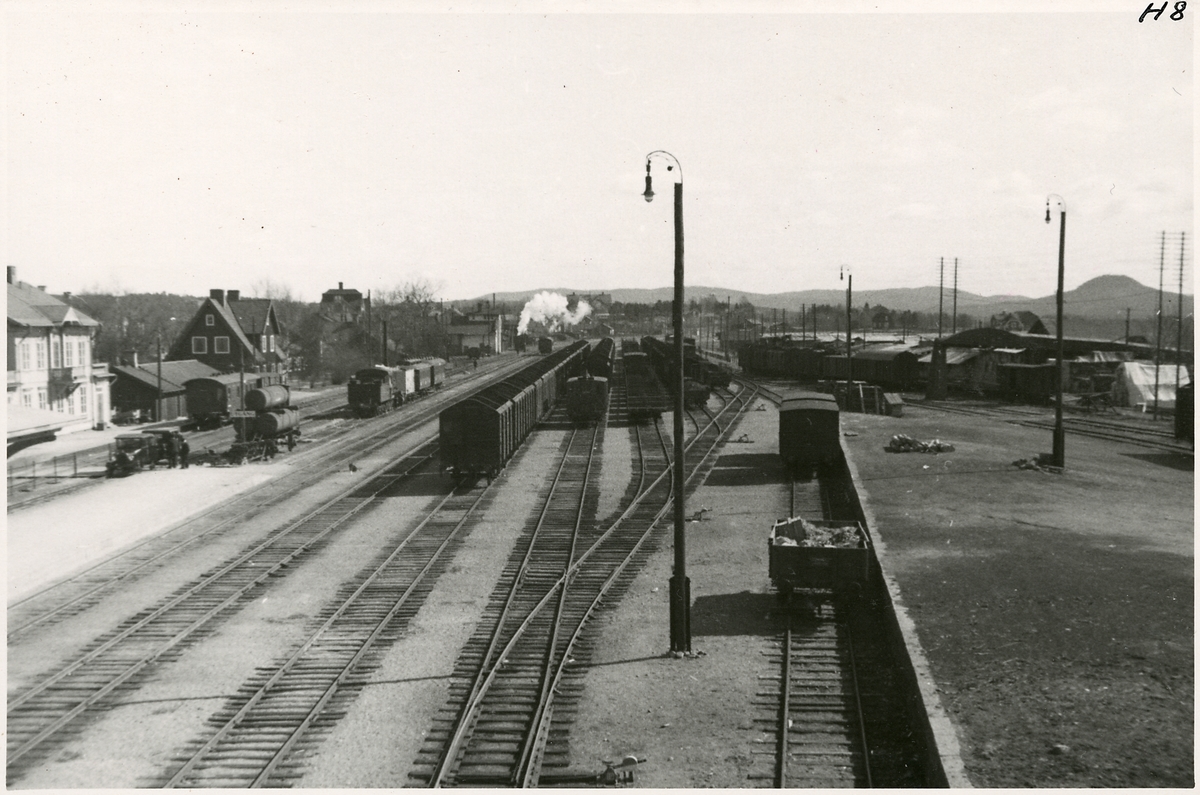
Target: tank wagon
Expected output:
[481,433]
[545,344]
[269,421]
[212,401]
[809,431]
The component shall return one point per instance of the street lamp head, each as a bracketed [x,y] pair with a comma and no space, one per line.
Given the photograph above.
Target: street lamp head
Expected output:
[1062,205]
[649,194]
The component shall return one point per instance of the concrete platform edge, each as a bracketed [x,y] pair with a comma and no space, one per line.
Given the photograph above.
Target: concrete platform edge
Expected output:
[944,731]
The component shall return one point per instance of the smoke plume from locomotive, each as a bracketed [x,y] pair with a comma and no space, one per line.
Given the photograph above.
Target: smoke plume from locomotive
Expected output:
[550,309]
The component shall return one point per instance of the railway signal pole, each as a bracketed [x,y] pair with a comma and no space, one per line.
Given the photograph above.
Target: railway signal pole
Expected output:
[681,596]
[1059,453]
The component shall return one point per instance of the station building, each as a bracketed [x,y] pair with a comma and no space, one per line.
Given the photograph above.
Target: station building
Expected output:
[53,384]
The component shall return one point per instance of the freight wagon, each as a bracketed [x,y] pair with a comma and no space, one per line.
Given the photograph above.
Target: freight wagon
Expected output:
[809,431]
[586,398]
[480,434]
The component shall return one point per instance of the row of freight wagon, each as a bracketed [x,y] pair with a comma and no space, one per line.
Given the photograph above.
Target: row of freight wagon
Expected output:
[478,435]
[894,369]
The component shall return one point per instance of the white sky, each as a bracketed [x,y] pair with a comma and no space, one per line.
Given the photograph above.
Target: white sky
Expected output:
[183,150]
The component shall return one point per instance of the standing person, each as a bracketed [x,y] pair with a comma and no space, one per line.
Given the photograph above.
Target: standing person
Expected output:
[184,451]
[172,452]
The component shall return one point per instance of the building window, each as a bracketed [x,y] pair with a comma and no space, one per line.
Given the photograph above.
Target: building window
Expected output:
[199,344]
[220,344]
[42,399]
[83,406]
[209,320]
[56,353]
[27,399]
[82,358]
[23,351]
[39,349]
[68,354]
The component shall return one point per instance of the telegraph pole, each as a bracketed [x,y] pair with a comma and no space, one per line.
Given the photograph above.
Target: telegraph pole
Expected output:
[954,320]
[1162,253]
[941,291]
[1179,322]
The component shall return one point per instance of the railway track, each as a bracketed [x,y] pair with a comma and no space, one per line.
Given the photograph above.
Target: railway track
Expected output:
[48,711]
[820,731]
[287,707]
[1107,430]
[45,713]
[344,444]
[510,715]
[832,702]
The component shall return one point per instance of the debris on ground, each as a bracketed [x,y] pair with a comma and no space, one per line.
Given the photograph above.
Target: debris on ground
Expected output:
[1040,462]
[903,443]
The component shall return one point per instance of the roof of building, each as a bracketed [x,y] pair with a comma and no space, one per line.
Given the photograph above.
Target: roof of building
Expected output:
[231,320]
[251,313]
[29,306]
[174,373]
[148,379]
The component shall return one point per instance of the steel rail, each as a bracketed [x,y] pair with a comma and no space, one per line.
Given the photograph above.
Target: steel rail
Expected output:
[529,779]
[262,776]
[862,723]
[469,713]
[782,744]
[318,464]
[130,669]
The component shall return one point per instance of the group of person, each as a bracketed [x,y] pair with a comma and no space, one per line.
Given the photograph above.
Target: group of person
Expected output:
[178,451]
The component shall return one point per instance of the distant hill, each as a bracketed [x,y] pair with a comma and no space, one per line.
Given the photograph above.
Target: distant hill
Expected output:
[1104,298]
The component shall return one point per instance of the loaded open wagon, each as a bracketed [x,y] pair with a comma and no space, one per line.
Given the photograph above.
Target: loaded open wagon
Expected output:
[827,556]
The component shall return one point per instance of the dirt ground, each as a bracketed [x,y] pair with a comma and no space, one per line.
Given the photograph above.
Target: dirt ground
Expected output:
[1055,611]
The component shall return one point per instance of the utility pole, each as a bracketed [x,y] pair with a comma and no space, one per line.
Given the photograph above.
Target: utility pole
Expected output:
[954,320]
[158,396]
[1162,253]
[941,291]
[1179,322]
[1127,311]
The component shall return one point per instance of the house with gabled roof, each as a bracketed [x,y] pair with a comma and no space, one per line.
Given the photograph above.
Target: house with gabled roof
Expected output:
[233,334]
[50,366]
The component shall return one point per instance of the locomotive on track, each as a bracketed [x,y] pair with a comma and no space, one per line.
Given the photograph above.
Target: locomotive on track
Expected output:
[380,388]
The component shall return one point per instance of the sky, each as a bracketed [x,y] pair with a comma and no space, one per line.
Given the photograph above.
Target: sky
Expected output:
[271,146]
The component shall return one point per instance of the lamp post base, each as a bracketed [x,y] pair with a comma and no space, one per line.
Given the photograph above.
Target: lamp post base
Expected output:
[681,615]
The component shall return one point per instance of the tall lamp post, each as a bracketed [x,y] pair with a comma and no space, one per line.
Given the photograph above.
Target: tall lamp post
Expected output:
[1059,454]
[681,597]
